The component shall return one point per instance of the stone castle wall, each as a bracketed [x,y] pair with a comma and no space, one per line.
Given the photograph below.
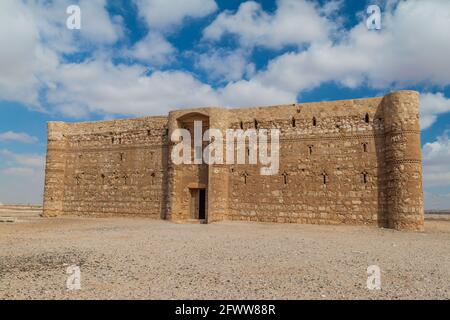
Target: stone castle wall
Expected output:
[107,168]
[352,162]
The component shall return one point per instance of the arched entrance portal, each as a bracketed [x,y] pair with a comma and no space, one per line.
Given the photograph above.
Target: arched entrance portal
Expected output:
[190,199]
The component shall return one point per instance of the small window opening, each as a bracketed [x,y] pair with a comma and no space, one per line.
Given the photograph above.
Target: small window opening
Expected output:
[366,118]
[285,177]
[293,122]
[364,176]
[325,177]
[314,121]
[310,147]
[241,125]
[256,123]
[365,147]
[245,175]
[153,177]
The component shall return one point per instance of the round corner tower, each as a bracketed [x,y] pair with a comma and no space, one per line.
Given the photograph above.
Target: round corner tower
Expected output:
[403,161]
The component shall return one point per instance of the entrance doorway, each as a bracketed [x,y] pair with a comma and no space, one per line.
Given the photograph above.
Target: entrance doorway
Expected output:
[198,204]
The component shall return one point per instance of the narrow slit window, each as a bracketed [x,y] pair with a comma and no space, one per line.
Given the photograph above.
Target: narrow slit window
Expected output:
[325,177]
[365,147]
[241,125]
[152,175]
[293,122]
[285,177]
[314,122]
[366,118]
[310,148]
[364,177]
[245,176]
[256,123]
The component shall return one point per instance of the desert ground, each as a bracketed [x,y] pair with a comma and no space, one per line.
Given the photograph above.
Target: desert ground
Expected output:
[138,258]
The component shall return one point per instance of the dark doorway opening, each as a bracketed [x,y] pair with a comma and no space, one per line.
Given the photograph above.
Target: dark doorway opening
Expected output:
[202,204]
[198,204]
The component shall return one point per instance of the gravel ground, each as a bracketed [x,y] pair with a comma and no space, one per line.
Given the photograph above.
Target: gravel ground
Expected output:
[126,258]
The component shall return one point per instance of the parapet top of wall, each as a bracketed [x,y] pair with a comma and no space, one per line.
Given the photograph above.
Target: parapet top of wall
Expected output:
[309,109]
[105,126]
[262,113]
[286,111]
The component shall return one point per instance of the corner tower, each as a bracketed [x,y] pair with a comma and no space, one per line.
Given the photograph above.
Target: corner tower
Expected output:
[55,169]
[403,161]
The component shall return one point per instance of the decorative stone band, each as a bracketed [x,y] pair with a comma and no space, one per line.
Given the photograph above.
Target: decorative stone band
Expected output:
[408,161]
[392,132]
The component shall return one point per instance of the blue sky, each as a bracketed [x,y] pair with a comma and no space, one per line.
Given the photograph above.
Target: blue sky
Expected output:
[146,57]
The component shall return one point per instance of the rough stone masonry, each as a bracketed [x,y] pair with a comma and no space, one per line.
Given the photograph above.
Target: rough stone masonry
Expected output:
[341,162]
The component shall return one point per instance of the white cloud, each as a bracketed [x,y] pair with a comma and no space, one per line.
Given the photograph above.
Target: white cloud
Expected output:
[104,87]
[432,105]
[32,37]
[224,66]
[163,14]
[29,160]
[153,49]
[17,136]
[294,22]
[410,49]
[97,28]
[20,54]
[398,55]
[245,93]
[100,86]
[163,17]
[436,159]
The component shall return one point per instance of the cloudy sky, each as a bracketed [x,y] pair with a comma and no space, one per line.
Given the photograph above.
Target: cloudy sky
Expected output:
[146,57]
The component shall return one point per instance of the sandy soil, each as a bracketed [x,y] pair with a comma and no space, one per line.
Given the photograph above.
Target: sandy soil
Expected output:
[149,259]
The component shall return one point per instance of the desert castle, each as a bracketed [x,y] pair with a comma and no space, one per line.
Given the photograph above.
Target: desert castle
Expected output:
[341,162]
